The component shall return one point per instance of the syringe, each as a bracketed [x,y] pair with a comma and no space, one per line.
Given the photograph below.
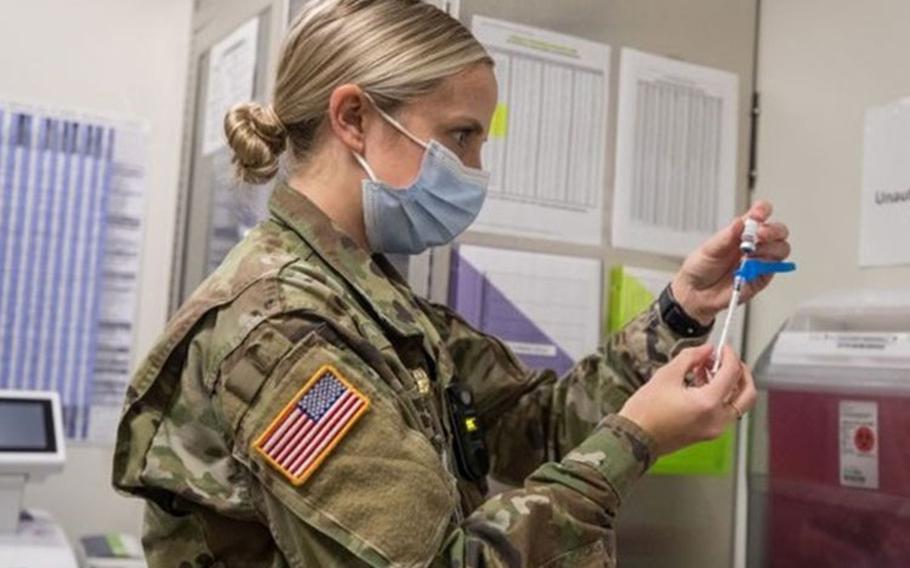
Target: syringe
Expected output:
[747,245]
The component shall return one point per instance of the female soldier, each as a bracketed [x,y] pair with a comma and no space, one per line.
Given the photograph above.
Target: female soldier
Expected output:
[305,408]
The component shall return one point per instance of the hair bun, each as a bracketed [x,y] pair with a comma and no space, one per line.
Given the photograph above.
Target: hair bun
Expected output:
[258,138]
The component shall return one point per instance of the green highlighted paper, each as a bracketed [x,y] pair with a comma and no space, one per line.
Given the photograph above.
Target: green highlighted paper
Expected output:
[499,125]
[631,291]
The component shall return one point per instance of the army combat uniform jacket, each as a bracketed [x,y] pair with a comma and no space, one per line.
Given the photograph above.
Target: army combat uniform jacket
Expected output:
[294,413]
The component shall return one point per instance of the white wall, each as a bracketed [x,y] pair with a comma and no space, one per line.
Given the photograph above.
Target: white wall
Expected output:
[127,57]
[821,64]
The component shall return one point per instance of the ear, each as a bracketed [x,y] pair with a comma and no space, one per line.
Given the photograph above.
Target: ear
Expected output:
[349,115]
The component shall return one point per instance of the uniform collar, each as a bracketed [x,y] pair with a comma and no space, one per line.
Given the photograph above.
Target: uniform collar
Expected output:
[373,278]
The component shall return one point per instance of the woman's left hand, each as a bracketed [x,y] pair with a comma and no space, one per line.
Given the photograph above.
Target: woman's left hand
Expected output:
[704,284]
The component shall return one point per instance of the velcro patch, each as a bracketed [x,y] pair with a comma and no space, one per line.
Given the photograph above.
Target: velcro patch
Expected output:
[309,427]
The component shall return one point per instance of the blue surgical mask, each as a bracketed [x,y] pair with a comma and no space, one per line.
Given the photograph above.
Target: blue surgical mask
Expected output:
[439,205]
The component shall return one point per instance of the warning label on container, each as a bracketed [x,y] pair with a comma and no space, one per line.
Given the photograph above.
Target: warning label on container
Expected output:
[859,444]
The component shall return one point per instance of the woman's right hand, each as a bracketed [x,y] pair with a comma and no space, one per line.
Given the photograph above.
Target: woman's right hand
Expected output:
[677,415]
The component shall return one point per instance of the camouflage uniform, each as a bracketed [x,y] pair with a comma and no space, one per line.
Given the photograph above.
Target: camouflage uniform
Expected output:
[297,294]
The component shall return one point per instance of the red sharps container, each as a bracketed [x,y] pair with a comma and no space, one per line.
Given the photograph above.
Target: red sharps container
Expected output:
[829,464]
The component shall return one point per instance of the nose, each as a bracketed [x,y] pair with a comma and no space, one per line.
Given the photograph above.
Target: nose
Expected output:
[474,160]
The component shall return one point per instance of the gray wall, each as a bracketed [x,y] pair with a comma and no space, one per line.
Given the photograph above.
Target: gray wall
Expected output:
[821,65]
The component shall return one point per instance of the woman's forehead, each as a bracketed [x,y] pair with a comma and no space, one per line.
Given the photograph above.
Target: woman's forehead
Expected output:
[472,92]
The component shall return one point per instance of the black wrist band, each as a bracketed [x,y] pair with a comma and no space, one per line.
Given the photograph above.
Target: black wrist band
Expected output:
[677,319]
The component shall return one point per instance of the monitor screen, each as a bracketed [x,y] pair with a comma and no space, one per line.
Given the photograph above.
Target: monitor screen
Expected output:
[26,426]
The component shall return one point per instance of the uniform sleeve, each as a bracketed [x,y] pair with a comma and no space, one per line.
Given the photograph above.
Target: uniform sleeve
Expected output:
[564,515]
[379,496]
[336,465]
[532,417]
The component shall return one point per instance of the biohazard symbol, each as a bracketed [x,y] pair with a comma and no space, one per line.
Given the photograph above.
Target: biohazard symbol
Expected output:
[864,439]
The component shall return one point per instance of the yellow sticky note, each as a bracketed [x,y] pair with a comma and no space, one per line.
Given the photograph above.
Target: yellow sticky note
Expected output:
[499,126]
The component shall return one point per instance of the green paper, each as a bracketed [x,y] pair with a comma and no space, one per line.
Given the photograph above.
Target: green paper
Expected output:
[631,292]
[116,545]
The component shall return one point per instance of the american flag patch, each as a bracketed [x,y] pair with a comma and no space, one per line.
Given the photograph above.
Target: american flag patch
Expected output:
[312,424]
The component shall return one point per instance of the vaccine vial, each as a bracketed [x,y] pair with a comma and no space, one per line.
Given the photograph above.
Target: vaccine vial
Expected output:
[750,237]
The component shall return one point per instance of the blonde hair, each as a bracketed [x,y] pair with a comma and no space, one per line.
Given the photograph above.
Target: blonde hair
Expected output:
[395,50]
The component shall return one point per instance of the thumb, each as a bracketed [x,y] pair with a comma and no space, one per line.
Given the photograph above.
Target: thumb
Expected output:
[730,372]
[692,358]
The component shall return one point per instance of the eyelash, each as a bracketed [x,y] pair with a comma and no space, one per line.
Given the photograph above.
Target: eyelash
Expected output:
[458,133]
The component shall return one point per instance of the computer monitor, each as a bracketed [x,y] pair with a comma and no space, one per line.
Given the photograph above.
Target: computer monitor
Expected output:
[31,447]
[31,434]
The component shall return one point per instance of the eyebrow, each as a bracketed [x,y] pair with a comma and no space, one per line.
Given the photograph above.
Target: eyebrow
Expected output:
[469,122]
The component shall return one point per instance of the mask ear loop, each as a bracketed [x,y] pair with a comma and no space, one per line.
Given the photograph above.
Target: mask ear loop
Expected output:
[366,167]
[397,125]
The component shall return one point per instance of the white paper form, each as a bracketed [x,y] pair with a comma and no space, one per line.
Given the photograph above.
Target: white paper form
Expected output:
[231,73]
[885,211]
[675,153]
[120,294]
[546,308]
[71,218]
[547,142]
